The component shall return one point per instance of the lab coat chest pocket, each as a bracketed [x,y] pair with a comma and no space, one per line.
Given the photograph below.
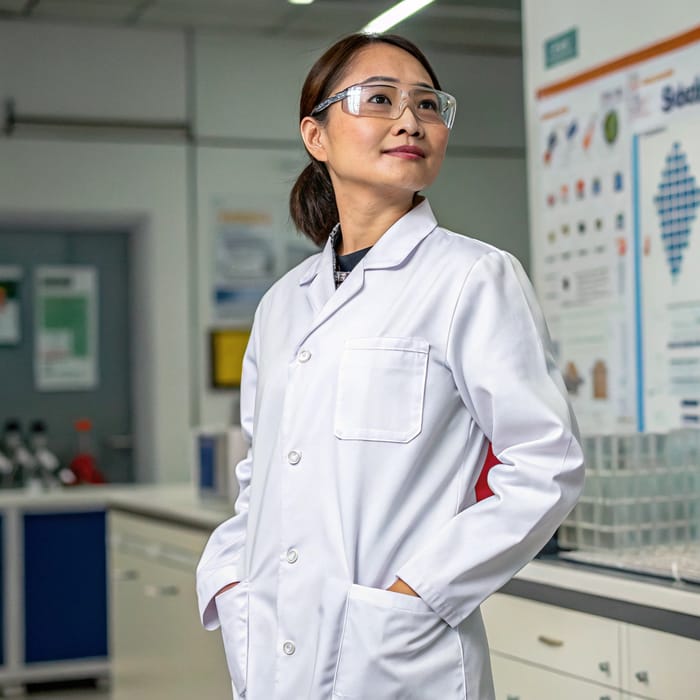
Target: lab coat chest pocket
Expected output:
[232,606]
[381,389]
[396,646]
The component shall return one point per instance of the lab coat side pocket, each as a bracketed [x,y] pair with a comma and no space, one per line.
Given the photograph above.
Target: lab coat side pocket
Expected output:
[396,646]
[232,606]
[381,389]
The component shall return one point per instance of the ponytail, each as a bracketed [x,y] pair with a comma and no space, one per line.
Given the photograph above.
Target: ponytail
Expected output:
[312,203]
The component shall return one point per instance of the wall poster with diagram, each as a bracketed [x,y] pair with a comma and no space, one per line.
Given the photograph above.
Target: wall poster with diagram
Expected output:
[616,246]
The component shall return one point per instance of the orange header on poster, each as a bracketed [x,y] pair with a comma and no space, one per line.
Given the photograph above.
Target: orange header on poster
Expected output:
[662,47]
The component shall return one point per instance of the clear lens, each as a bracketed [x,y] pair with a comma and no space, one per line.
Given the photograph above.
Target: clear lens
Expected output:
[389,101]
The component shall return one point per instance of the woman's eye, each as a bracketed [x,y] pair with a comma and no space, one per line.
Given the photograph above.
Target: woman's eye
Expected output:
[379,100]
[428,104]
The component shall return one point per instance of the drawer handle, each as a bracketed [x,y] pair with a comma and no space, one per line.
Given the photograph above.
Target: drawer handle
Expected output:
[604,666]
[513,697]
[550,642]
[642,676]
[605,697]
[161,591]
[126,574]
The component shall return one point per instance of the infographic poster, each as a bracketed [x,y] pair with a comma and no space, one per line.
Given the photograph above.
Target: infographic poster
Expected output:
[605,139]
[66,328]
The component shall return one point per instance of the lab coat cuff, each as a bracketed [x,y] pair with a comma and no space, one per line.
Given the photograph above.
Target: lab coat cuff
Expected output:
[208,587]
[413,576]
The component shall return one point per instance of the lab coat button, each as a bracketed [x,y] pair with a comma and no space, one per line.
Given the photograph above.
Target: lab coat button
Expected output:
[292,555]
[294,457]
[288,648]
[304,356]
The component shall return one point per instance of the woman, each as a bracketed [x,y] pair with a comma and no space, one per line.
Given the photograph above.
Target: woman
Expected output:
[377,373]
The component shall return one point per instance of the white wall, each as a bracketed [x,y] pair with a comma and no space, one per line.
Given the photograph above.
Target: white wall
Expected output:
[107,73]
[243,96]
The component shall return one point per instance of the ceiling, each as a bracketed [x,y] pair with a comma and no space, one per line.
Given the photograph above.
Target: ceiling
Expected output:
[474,26]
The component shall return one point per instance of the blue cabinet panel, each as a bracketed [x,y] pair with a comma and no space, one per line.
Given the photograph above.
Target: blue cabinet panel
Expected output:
[65,586]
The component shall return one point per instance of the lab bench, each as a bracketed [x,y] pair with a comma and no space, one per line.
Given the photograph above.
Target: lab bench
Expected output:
[55,592]
[53,616]
[557,630]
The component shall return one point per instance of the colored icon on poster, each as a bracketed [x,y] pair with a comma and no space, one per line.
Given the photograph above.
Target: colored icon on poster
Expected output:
[551,145]
[600,380]
[588,134]
[618,182]
[611,127]
[572,379]
[596,186]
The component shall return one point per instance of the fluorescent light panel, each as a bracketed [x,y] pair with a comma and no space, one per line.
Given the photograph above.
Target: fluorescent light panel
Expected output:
[300,2]
[394,15]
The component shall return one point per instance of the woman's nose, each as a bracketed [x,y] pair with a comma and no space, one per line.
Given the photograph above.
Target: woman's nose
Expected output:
[408,122]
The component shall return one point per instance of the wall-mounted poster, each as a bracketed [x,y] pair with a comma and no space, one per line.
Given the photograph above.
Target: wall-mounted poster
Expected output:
[66,328]
[10,329]
[246,258]
[615,236]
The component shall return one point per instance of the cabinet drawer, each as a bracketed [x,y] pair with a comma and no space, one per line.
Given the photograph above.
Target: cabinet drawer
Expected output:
[662,665]
[517,680]
[583,645]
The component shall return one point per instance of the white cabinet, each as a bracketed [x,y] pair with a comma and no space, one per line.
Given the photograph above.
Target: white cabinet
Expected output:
[159,649]
[581,645]
[518,680]
[661,665]
[544,652]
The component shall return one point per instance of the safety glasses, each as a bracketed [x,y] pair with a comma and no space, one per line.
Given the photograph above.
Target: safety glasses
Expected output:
[388,101]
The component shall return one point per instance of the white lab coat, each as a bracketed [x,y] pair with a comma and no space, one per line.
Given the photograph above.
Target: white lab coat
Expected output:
[370,408]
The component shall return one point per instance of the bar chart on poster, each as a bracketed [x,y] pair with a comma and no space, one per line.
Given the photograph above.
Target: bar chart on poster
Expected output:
[616,249]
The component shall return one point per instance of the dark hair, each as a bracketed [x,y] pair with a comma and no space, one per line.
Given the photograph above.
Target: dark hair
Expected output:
[312,200]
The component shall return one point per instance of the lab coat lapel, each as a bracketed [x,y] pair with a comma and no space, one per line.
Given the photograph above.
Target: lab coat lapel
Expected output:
[390,251]
[323,297]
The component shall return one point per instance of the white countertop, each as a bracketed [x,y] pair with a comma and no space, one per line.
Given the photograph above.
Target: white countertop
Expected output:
[167,501]
[180,503]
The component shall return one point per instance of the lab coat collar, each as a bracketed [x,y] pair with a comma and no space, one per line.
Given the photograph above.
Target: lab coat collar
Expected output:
[394,246]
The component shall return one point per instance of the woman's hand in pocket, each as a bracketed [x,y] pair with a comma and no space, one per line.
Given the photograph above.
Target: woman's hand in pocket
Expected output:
[400,586]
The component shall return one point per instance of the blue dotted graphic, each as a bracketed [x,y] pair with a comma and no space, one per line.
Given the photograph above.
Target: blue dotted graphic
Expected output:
[677,199]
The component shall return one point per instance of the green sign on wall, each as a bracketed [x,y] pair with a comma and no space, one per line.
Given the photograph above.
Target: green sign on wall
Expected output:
[561,48]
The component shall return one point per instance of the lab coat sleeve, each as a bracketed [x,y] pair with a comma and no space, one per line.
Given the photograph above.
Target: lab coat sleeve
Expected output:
[223,559]
[499,352]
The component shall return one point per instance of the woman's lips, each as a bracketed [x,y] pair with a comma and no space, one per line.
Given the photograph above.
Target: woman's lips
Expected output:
[407,152]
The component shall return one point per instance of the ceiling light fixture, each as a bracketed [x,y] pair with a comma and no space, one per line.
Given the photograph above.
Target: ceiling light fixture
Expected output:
[300,2]
[394,15]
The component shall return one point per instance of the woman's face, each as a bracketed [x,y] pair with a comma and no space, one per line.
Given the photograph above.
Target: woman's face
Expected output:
[361,151]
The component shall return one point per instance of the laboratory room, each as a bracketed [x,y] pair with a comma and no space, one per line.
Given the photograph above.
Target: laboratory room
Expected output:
[224,222]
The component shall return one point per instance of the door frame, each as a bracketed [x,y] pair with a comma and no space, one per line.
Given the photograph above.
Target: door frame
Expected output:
[140,256]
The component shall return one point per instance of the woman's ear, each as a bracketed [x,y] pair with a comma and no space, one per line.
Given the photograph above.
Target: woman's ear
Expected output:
[313,135]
